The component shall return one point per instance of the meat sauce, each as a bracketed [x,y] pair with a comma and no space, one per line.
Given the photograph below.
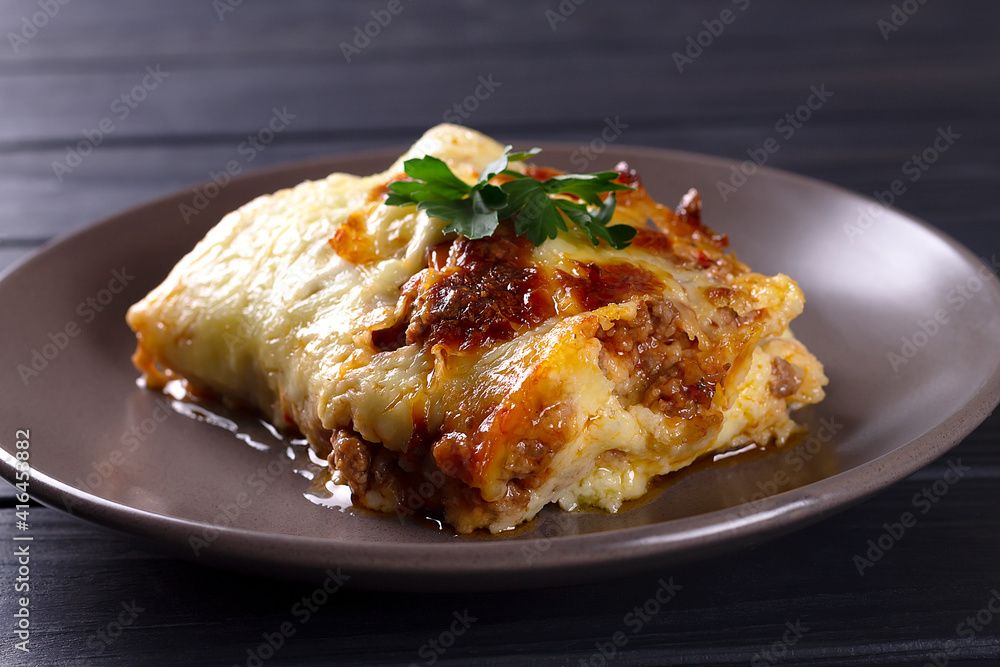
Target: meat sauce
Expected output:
[486,292]
[596,285]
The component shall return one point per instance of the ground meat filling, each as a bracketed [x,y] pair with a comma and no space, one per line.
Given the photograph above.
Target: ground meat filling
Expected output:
[415,484]
[471,295]
[595,285]
[380,480]
[654,363]
[487,292]
[786,378]
[352,457]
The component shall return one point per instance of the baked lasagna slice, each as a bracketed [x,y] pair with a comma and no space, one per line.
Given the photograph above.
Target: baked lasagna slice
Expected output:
[480,380]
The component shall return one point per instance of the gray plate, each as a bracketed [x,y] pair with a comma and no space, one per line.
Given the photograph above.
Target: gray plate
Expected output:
[110,452]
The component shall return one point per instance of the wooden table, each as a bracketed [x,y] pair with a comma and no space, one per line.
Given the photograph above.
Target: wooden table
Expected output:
[166,92]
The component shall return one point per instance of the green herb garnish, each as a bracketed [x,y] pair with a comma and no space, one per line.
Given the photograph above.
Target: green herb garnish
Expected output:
[475,210]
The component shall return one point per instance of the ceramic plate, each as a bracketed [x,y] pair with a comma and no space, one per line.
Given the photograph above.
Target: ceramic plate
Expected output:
[906,321]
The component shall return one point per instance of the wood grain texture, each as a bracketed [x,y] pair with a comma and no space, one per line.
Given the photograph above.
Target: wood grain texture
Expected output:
[228,74]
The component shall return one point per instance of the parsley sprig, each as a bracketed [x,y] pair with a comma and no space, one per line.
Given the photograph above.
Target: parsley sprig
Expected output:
[476,210]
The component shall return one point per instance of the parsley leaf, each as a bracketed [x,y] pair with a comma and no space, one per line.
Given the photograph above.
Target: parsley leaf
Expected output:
[522,155]
[596,226]
[436,177]
[537,214]
[585,186]
[476,210]
[432,180]
[475,217]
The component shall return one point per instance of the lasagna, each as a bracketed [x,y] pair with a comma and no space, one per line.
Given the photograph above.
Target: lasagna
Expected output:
[480,380]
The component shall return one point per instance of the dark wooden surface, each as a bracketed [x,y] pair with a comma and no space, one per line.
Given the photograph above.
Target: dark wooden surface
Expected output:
[940,68]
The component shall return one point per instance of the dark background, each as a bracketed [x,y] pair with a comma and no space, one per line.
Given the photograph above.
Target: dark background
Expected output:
[228,66]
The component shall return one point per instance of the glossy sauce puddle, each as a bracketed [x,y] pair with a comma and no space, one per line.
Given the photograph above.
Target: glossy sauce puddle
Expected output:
[322,490]
[326,492]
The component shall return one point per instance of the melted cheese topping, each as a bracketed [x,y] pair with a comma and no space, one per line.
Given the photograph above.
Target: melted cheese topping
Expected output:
[484,378]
